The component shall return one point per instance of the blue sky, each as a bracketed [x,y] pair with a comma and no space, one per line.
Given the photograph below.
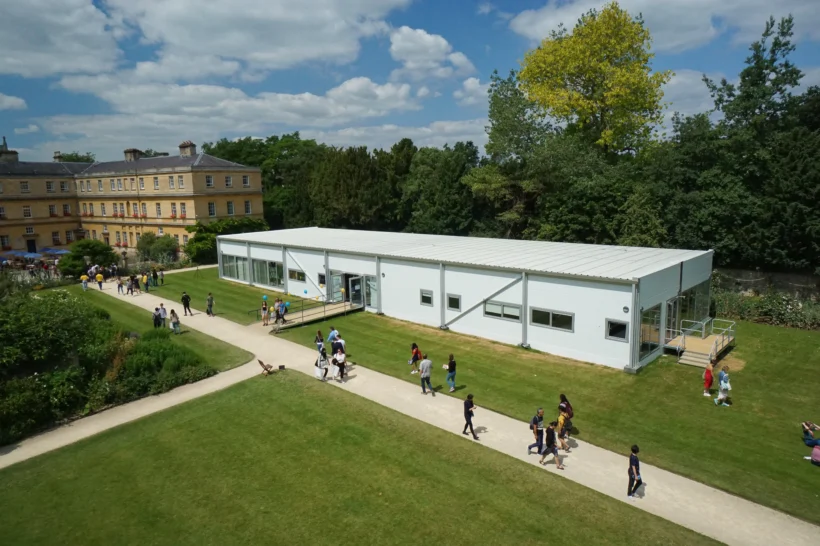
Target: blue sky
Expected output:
[107,75]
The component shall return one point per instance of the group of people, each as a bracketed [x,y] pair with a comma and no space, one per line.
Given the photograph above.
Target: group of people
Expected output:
[336,364]
[161,316]
[280,309]
[555,433]
[724,386]
[424,366]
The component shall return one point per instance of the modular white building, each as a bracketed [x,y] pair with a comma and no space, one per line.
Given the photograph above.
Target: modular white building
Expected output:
[610,305]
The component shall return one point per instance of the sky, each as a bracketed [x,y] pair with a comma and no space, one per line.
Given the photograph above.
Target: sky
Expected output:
[105,75]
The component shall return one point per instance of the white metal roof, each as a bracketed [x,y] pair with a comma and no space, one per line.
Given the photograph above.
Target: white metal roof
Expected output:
[566,259]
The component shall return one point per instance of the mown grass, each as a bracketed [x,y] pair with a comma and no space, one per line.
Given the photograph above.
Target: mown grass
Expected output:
[752,449]
[288,460]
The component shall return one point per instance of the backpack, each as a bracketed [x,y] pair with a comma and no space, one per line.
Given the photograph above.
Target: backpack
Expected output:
[815,456]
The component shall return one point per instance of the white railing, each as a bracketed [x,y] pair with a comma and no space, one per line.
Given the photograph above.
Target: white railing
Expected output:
[725,332]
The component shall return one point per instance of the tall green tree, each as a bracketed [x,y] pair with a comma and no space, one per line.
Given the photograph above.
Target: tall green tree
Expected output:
[201,248]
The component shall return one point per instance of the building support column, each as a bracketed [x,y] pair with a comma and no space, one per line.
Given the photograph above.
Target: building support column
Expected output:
[285,268]
[442,297]
[635,332]
[219,257]
[379,286]
[525,315]
[327,277]
[250,264]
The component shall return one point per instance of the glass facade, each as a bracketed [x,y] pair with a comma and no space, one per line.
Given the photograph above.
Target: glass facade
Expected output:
[650,331]
[268,273]
[694,303]
[371,292]
[234,267]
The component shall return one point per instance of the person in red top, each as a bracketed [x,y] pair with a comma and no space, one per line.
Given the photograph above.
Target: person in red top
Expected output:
[707,380]
[415,357]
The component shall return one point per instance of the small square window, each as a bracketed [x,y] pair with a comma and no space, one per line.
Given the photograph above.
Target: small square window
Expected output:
[64,187]
[69,236]
[26,211]
[171,182]
[156,182]
[24,187]
[209,181]
[142,183]
[426,297]
[160,232]
[180,182]
[296,275]
[453,302]
[228,181]
[50,187]
[230,208]
[29,230]
[246,181]
[211,209]
[247,207]
[119,184]
[113,185]
[617,330]
[184,239]
[321,279]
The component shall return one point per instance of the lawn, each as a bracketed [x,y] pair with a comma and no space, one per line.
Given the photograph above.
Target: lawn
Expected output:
[288,460]
[233,301]
[752,449]
[222,356]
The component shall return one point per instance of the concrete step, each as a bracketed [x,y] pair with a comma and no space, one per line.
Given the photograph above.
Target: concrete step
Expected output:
[694,359]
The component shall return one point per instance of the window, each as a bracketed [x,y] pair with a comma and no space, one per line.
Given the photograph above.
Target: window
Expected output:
[26,211]
[616,330]
[132,184]
[180,182]
[173,209]
[650,331]
[113,185]
[182,209]
[29,230]
[102,209]
[105,228]
[142,183]
[2,212]
[52,210]
[99,185]
[135,209]
[88,185]
[229,181]
[138,237]
[66,210]
[184,239]
[50,187]
[144,209]
[171,182]
[230,208]
[119,184]
[160,232]
[500,310]
[209,181]
[156,182]
[81,186]
[246,181]
[247,207]
[296,275]
[85,208]
[176,238]
[211,209]
[114,208]
[94,234]
[64,187]
[426,297]
[159,210]
[23,187]
[321,279]
[69,236]
[235,267]
[5,241]
[117,235]
[453,302]
[552,319]
[55,237]
[91,209]
[122,209]
[267,273]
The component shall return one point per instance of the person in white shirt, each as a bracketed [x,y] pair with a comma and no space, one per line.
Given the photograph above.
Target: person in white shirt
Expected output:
[425,370]
[163,314]
[339,360]
[322,364]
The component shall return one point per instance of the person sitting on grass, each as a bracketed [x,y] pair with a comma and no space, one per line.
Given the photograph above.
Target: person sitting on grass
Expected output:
[808,434]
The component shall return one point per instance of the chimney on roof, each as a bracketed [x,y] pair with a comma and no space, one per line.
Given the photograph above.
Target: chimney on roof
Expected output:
[6,155]
[187,149]
[58,157]
[132,154]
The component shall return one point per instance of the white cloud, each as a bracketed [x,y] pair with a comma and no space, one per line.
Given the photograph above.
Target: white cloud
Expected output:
[472,92]
[262,35]
[7,102]
[26,130]
[423,91]
[44,37]
[425,55]
[437,133]
[485,8]
[678,25]
[811,76]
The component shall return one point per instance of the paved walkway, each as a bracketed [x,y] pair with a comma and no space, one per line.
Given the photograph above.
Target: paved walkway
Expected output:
[668,495]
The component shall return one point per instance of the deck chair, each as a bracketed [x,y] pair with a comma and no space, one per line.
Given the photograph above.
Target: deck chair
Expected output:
[266,368]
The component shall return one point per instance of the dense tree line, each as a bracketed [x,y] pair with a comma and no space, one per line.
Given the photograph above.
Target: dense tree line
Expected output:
[742,179]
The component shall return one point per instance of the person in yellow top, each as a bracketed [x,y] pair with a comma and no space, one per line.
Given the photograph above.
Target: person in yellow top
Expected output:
[145,281]
[84,278]
[563,417]
[99,278]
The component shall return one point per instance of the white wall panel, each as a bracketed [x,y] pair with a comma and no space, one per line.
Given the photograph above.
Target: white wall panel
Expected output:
[348,263]
[401,286]
[696,271]
[269,253]
[233,249]
[659,287]
[311,262]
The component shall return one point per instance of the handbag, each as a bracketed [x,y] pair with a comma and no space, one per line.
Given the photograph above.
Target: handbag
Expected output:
[334,370]
[318,372]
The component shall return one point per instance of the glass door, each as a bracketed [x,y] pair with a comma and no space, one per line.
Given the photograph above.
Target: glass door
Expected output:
[672,319]
[356,292]
[650,331]
[371,292]
[336,285]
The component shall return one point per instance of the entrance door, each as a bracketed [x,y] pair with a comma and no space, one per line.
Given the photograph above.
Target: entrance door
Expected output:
[31,245]
[371,292]
[672,319]
[354,289]
[336,285]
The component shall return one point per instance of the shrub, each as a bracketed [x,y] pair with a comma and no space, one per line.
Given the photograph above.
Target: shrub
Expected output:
[771,308]
[24,407]
[65,389]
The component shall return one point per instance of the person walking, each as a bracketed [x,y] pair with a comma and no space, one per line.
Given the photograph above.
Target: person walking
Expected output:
[209,305]
[319,341]
[162,278]
[163,315]
[333,335]
[120,289]
[154,278]
[145,282]
[339,359]
[561,427]
[723,387]
[415,357]
[551,448]
[321,365]
[283,309]
[634,473]
[84,280]
[426,368]
[175,322]
[451,373]
[566,407]
[708,379]
[99,278]
[186,304]
[156,317]
[264,313]
[537,428]
[469,408]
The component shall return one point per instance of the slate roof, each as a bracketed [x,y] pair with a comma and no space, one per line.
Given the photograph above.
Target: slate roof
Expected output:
[44,168]
[174,162]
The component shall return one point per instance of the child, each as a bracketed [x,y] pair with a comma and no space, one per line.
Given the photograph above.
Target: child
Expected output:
[708,379]
[724,387]
[415,356]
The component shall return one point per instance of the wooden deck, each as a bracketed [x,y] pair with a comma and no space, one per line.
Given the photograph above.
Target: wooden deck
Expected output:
[698,345]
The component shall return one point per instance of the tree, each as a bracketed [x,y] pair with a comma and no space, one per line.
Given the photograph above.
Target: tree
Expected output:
[148,152]
[74,263]
[517,125]
[599,78]
[640,220]
[159,249]
[201,248]
[77,157]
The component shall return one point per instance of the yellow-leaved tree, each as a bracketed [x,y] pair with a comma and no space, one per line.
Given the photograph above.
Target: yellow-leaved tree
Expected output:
[598,78]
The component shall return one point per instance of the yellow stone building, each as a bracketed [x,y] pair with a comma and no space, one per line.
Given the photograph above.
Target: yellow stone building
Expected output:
[46,204]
